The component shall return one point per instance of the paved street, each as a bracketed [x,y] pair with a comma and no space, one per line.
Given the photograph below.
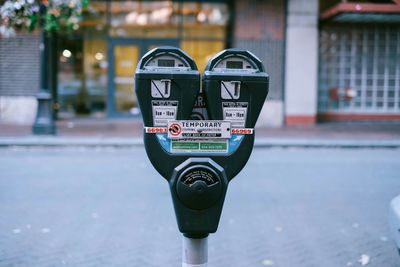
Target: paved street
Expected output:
[108,207]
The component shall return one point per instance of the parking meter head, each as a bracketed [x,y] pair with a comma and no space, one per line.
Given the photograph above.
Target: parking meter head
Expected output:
[166,84]
[198,158]
[236,86]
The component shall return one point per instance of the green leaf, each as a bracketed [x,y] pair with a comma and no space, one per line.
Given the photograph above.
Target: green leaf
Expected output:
[85,3]
[51,23]
[32,22]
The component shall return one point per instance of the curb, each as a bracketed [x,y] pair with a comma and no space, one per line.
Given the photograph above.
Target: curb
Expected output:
[70,142]
[137,142]
[325,143]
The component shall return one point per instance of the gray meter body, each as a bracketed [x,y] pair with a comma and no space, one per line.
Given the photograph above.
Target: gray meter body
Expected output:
[236,86]
[199,158]
[165,79]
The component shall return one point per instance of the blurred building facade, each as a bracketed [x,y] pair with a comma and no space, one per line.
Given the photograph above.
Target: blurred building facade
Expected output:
[328,60]
[359,60]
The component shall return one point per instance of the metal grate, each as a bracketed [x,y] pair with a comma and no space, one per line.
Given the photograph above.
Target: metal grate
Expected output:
[359,69]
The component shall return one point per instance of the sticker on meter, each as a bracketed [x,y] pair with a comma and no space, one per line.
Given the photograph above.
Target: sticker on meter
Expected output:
[235,112]
[230,89]
[199,146]
[199,129]
[164,111]
[160,88]
[199,111]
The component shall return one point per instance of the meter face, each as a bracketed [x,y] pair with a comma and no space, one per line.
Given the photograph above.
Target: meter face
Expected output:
[166,84]
[236,85]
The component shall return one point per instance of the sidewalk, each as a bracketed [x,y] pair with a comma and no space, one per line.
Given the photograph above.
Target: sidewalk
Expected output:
[127,133]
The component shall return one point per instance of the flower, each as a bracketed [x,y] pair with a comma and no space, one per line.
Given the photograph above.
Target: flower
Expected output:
[51,15]
[6,31]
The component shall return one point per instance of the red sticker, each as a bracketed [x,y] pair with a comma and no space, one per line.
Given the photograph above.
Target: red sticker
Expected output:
[175,129]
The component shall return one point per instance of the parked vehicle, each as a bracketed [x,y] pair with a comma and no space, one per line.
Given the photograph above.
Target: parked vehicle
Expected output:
[394,220]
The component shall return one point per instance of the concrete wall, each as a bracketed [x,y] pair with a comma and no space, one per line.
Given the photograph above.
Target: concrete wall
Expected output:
[301,68]
[19,78]
[18,109]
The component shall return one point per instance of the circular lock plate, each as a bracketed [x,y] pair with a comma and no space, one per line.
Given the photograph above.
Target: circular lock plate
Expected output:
[208,176]
[199,187]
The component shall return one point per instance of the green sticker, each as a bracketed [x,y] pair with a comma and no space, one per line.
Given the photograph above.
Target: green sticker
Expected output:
[185,145]
[214,146]
[199,146]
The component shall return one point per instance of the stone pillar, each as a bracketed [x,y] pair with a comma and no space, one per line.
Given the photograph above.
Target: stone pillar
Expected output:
[301,66]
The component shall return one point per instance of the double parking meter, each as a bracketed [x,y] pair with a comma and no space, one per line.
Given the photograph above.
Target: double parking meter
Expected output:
[198,158]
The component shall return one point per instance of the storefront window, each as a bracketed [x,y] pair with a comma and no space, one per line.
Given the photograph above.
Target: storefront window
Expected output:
[153,19]
[125,61]
[97,62]
[95,19]
[82,78]
[360,67]
[204,30]
[95,73]
[70,71]
[204,20]
[202,51]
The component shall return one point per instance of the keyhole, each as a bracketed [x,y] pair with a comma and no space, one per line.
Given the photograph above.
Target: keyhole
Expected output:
[166,87]
[236,89]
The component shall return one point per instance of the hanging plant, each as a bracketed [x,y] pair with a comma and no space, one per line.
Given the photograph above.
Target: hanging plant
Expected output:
[50,15]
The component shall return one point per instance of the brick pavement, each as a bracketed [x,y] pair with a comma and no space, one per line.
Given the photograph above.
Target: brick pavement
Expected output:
[107,207]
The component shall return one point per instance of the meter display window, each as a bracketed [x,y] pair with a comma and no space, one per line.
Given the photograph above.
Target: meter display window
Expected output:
[234,64]
[166,63]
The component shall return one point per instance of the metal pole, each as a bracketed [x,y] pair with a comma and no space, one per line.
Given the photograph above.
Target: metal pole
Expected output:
[54,72]
[194,252]
[44,122]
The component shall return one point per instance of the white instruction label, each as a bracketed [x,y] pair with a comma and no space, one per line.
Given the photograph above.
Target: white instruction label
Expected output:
[164,111]
[235,112]
[199,129]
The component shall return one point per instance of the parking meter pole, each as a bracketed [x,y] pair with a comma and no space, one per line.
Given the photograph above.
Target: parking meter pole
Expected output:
[194,252]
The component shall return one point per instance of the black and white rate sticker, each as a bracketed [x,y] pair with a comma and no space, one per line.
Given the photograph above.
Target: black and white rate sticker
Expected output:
[164,111]
[235,112]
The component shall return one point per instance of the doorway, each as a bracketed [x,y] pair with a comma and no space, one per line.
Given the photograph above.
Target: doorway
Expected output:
[124,55]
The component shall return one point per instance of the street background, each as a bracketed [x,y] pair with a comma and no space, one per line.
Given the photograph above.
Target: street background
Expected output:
[77,189]
[103,206]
